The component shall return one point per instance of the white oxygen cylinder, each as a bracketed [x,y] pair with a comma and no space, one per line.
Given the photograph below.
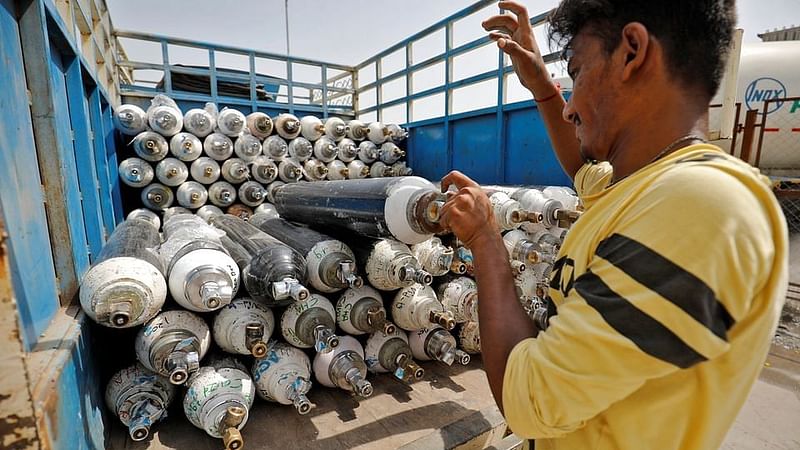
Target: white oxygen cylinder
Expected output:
[311,128]
[231,122]
[310,323]
[390,352]
[400,169]
[287,126]
[247,147]
[435,257]
[146,214]
[325,149]
[462,261]
[235,171]
[396,132]
[283,375]
[244,327]
[185,146]
[377,133]
[300,149]
[522,249]
[416,307]
[136,172]
[252,194]
[356,130]
[380,170]
[200,122]
[507,212]
[218,146]
[150,146]
[459,296]
[139,398]
[174,211]
[205,170]
[222,194]
[191,195]
[171,172]
[367,152]
[335,129]
[264,170]
[527,286]
[275,147]
[207,212]
[348,151]
[469,338]
[289,171]
[267,210]
[165,120]
[157,197]
[534,200]
[391,265]
[360,310]
[259,124]
[357,170]
[130,119]
[202,277]
[172,344]
[315,170]
[436,343]
[337,170]
[343,367]
[390,153]
[218,401]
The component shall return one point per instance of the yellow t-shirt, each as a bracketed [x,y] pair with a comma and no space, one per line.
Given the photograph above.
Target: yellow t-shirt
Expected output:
[668,291]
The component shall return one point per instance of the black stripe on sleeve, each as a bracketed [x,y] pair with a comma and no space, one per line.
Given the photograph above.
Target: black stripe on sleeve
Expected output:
[647,333]
[669,280]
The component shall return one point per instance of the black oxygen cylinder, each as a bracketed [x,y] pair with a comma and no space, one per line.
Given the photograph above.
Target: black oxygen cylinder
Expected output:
[134,238]
[272,272]
[388,264]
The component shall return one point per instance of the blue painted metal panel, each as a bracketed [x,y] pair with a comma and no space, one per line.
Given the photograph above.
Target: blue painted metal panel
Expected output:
[101,160]
[432,162]
[109,138]
[530,155]
[475,148]
[33,273]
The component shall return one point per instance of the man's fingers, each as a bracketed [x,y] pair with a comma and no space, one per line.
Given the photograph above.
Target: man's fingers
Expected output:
[521,12]
[504,23]
[457,179]
[511,47]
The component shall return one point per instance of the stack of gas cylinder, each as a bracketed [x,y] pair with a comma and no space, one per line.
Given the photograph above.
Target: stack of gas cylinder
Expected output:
[336,281]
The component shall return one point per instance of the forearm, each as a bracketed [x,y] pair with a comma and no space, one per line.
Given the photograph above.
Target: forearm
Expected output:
[503,321]
[562,133]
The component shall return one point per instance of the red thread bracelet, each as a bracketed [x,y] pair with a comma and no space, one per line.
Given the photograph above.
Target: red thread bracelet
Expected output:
[558,92]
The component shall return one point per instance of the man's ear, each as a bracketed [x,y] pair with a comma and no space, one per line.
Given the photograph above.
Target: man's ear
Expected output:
[635,45]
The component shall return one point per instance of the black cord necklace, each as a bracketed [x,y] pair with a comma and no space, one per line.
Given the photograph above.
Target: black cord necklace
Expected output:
[666,151]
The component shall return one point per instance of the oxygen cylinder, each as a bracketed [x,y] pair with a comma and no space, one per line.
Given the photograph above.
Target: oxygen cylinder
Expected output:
[130,119]
[348,151]
[287,126]
[310,323]
[520,248]
[389,264]
[325,149]
[218,401]
[380,170]
[283,376]
[438,344]
[360,310]
[174,211]
[267,210]
[252,194]
[533,200]
[206,212]
[357,170]
[231,122]
[290,171]
[377,133]
[200,122]
[390,352]
[507,212]
[222,194]
[275,147]
[462,259]
[459,296]
[300,149]
[165,120]
[235,171]
[527,283]
[271,190]
[244,327]
[335,129]
[356,130]
[136,172]
[125,286]
[259,124]
[549,244]
[435,257]
[469,338]
[146,214]
[239,210]
[367,152]
[185,146]
[156,196]
[191,195]
[247,147]
[205,170]
[150,146]
[171,172]
[315,170]
[416,307]
[311,128]
[272,272]
[172,344]
[343,367]
[400,169]
[218,146]
[139,398]
[202,276]
[405,208]
[264,170]
[396,132]
[565,195]
[330,264]
[337,170]
[390,153]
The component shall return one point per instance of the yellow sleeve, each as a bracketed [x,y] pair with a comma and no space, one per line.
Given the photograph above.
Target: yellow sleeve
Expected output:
[592,178]
[677,269]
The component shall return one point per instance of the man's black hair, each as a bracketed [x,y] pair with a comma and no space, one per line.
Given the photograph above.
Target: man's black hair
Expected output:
[696,34]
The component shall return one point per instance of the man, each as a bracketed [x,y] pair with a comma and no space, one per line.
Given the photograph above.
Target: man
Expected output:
[668,289]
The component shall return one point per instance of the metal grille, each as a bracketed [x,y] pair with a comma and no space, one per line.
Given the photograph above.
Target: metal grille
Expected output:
[791,209]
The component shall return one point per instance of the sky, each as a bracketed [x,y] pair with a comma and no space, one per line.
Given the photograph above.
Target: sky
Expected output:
[350,31]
